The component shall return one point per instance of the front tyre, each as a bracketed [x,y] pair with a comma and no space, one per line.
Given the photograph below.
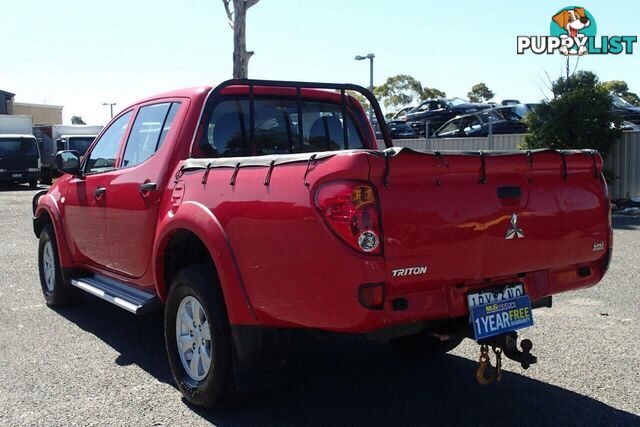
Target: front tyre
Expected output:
[54,289]
[198,338]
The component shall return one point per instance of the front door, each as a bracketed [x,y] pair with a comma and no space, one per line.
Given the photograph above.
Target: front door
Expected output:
[135,190]
[85,201]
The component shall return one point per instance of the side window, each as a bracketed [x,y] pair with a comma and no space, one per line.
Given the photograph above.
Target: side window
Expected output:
[103,156]
[149,131]
[451,129]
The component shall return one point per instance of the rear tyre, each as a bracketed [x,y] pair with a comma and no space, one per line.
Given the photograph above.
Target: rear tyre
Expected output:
[33,183]
[56,291]
[198,337]
[423,345]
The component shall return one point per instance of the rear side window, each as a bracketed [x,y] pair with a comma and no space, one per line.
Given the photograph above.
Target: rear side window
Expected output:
[149,131]
[276,128]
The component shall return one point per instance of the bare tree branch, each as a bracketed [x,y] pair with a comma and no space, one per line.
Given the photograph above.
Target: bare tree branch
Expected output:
[229,13]
[249,3]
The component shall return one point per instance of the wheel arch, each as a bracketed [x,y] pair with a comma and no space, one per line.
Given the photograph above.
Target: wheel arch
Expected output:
[193,234]
[47,212]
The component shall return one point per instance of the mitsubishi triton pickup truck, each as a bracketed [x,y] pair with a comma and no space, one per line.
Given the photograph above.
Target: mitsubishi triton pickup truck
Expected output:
[257,208]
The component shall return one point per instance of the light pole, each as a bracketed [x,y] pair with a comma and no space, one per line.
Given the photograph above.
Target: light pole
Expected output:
[370,57]
[110,104]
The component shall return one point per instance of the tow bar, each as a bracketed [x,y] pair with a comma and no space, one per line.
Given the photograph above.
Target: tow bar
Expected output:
[506,344]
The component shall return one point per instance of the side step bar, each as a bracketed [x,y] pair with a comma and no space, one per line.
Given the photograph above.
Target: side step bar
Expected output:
[117,293]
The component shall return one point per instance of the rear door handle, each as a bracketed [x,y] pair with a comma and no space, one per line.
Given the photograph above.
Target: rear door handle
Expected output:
[99,192]
[147,187]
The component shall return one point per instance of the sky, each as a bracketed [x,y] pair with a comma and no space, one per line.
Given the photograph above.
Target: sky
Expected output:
[80,54]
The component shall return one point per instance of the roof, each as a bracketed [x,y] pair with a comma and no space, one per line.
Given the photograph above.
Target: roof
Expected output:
[28,104]
[15,135]
[7,94]
[203,91]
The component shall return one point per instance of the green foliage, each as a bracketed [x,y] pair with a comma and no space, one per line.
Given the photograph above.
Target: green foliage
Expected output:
[621,89]
[579,116]
[402,90]
[361,99]
[77,120]
[480,93]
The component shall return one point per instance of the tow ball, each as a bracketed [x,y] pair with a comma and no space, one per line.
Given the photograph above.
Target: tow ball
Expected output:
[507,345]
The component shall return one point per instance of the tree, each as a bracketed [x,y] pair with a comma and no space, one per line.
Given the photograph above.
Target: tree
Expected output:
[480,93]
[359,97]
[402,90]
[578,116]
[430,92]
[77,120]
[237,21]
[621,89]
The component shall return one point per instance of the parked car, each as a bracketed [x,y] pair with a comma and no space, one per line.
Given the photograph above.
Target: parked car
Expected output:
[500,120]
[257,208]
[438,111]
[19,154]
[628,111]
[399,129]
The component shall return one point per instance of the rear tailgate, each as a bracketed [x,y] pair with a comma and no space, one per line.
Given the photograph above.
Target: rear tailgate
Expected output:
[472,217]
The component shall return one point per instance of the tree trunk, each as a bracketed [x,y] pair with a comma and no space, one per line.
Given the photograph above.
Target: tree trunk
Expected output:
[240,54]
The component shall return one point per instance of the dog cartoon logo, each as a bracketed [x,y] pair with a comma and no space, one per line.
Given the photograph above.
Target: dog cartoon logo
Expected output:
[573,20]
[573,24]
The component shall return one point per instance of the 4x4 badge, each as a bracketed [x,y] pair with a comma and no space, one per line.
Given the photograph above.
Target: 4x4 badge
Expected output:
[514,230]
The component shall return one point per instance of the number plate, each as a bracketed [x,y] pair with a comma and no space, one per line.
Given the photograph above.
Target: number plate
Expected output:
[487,296]
[500,311]
[16,175]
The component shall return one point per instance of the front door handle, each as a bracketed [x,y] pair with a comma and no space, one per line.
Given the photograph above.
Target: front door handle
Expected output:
[147,187]
[99,192]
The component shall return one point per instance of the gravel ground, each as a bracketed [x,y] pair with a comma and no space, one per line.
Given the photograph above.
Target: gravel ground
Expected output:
[97,364]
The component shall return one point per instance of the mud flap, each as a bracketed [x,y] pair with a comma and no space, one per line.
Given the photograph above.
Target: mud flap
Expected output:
[259,356]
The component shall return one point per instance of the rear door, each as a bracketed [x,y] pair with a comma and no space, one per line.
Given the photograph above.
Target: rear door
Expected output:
[135,190]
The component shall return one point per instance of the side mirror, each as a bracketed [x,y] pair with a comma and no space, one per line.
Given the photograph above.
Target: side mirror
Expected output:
[68,162]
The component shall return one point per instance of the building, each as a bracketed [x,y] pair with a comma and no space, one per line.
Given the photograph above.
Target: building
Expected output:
[6,102]
[42,114]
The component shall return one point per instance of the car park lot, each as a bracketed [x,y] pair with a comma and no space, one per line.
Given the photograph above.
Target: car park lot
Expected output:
[92,364]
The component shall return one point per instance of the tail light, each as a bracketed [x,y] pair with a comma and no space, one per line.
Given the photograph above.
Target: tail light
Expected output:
[351,210]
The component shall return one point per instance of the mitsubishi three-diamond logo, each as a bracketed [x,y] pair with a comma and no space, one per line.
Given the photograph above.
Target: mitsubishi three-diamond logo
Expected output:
[514,230]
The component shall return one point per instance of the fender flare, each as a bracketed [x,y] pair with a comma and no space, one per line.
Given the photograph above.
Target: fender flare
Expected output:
[48,204]
[199,220]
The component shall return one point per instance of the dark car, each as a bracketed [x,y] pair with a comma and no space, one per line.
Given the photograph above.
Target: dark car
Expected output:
[398,129]
[501,120]
[438,111]
[629,112]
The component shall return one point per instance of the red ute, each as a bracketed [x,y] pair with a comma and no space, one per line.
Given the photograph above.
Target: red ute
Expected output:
[259,207]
